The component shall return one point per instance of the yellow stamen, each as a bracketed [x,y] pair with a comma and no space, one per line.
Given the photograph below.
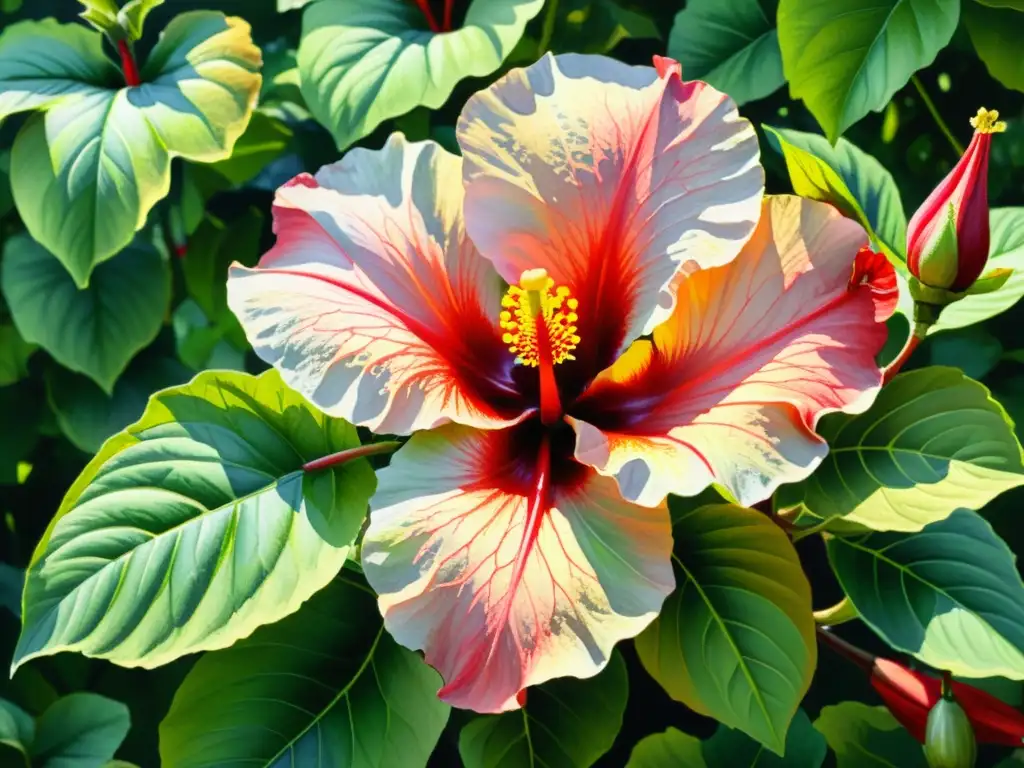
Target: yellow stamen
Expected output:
[536,297]
[987,121]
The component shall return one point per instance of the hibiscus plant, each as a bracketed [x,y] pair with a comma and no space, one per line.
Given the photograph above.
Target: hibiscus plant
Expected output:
[499,383]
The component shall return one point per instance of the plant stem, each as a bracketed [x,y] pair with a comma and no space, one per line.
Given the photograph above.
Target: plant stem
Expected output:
[915,338]
[548,30]
[839,613]
[128,65]
[935,114]
[359,452]
[861,658]
[424,6]
[448,15]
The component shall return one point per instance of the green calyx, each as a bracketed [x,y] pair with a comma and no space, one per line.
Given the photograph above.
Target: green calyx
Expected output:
[949,738]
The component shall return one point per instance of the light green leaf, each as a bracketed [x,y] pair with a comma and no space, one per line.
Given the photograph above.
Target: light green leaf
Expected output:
[948,594]
[14,355]
[933,441]
[365,61]
[597,26]
[567,723]
[846,58]
[264,141]
[671,748]
[132,17]
[94,331]
[734,46]
[848,178]
[88,416]
[195,525]
[81,730]
[333,690]
[868,737]
[87,170]
[805,748]
[17,729]
[996,34]
[735,641]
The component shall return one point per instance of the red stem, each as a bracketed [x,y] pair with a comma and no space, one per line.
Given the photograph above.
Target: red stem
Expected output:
[359,452]
[128,65]
[424,6]
[448,15]
[550,402]
[862,659]
[908,349]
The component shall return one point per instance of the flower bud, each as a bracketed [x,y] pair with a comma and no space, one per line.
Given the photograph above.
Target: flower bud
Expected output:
[948,237]
[949,738]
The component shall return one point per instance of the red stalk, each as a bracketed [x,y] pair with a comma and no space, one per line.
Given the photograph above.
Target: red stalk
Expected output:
[424,6]
[361,451]
[550,402]
[908,349]
[128,65]
[448,15]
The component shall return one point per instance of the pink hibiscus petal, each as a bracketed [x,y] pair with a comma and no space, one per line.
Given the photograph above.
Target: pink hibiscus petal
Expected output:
[498,594]
[754,354]
[612,178]
[373,303]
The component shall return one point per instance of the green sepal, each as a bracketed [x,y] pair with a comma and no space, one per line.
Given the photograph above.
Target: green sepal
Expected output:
[132,17]
[993,281]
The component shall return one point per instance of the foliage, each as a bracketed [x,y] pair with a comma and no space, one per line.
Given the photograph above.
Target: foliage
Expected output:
[192,529]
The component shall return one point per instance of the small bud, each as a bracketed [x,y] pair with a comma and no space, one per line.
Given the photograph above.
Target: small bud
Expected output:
[949,739]
[948,236]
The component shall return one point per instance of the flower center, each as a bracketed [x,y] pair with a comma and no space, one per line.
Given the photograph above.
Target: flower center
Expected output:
[987,121]
[539,323]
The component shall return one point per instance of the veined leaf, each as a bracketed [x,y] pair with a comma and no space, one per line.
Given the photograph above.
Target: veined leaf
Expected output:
[566,722]
[87,170]
[94,331]
[933,441]
[735,641]
[734,46]
[333,689]
[848,178]
[846,58]
[868,737]
[948,594]
[195,525]
[364,61]
[805,748]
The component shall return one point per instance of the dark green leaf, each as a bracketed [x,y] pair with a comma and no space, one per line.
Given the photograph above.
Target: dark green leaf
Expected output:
[597,26]
[14,355]
[81,730]
[996,34]
[868,737]
[975,351]
[805,748]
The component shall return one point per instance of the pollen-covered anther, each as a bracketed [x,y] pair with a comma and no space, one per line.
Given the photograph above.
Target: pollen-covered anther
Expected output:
[537,298]
[987,121]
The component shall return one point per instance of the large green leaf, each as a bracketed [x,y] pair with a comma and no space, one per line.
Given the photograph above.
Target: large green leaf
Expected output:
[735,641]
[88,416]
[87,170]
[195,525]
[567,723]
[1005,251]
[333,689]
[846,58]
[263,141]
[94,331]
[81,730]
[868,737]
[670,748]
[848,178]
[933,441]
[996,34]
[364,61]
[805,748]
[17,732]
[14,355]
[948,594]
[732,45]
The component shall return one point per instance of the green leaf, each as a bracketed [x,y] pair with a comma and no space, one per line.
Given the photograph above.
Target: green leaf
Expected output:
[933,441]
[264,141]
[364,61]
[132,17]
[88,169]
[88,416]
[974,351]
[1017,5]
[597,26]
[14,355]
[195,525]
[81,730]
[101,15]
[213,247]
[846,58]
[17,729]
[12,582]
[6,200]
[996,34]
[202,344]
[868,737]
[848,178]
[567,723]
[1005,251]
[671,748]
[948,594]
[735,641]
[94,331]
[805,748]
[333,689]
[734,46]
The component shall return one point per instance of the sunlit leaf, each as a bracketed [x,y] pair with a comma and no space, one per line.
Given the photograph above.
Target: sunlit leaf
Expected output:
[264,140]
[735,641]
[933,441]
[333,690]
[565,722]
[846,58]
[364,61]
[195,525]
[94,331]
[868,737]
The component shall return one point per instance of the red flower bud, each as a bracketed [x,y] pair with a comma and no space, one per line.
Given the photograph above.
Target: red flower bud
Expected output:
[948,237]
[911,695]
